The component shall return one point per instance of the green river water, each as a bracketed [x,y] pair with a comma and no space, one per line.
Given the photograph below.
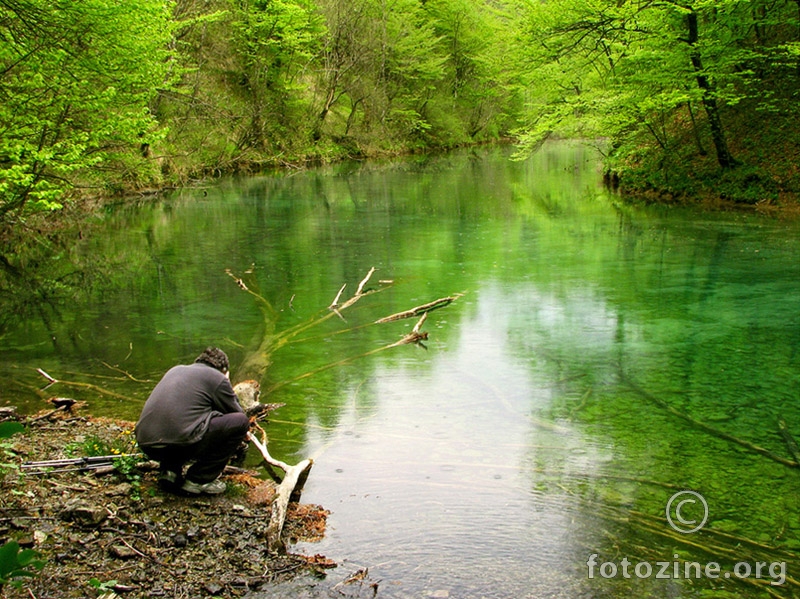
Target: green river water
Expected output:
[600,359]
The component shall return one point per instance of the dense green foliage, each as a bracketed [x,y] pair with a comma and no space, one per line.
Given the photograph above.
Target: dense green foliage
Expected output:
[75,81]
[108,95]
[691,94]
[282,81]
[105,96]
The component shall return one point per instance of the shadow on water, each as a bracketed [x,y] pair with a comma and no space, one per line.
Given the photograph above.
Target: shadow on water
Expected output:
[601,359]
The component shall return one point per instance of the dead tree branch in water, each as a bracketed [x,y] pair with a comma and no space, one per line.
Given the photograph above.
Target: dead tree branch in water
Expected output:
[707,428]
[98,389]
[416,311]
[256,365]
[336,308]
[291,484]
[258,361]
[415,336]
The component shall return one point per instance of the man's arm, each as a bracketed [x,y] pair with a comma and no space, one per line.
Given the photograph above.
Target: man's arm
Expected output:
[226,399]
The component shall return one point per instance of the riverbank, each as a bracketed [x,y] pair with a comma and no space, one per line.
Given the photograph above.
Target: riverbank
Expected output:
[787,208]
[768,186]
[112,530]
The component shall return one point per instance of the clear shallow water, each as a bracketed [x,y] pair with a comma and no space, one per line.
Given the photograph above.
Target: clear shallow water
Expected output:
[535,430]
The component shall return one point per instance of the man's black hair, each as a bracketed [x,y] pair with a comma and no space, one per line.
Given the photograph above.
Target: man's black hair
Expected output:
[214,357]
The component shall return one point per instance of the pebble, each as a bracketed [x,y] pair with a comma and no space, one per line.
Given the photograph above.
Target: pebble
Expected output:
[83,513]
[120,490]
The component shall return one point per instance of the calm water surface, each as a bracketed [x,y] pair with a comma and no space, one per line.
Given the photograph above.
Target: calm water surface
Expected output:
[600,359]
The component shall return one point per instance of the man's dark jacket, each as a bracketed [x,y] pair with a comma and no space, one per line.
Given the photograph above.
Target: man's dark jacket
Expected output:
[181,404]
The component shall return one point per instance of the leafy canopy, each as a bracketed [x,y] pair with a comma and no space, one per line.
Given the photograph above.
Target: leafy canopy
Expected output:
[75,82]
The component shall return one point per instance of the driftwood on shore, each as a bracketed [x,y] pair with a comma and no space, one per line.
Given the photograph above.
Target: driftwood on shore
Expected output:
[291,484]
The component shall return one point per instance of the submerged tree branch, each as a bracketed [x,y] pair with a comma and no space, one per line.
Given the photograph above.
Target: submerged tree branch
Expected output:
[418,310]
[707,428]
[415,337]
[98,389]
[257,362]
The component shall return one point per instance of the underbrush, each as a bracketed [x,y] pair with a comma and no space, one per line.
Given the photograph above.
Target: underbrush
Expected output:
[685,170]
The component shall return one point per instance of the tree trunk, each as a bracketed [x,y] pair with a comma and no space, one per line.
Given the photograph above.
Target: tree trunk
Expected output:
[699,142]
[798,31]
[724,157]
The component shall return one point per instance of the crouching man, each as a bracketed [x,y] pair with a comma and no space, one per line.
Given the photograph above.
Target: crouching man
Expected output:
[193,415]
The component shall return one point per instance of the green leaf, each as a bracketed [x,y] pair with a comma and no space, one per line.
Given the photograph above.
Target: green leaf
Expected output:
[8,558]
[17,563]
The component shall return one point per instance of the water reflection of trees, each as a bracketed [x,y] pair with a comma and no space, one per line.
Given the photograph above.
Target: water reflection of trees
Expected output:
[39,274]
[656,364]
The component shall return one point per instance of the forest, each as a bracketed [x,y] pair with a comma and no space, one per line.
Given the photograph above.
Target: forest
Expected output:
[588,327]
[688,99]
